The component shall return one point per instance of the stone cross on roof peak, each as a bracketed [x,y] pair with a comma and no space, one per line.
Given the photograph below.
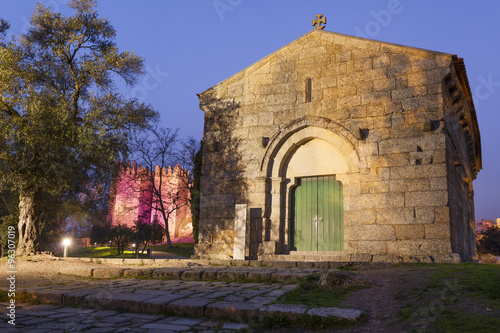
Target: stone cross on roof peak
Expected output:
[318,21]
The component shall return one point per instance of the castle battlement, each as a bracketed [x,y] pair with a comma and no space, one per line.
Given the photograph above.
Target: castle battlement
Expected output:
[135,197]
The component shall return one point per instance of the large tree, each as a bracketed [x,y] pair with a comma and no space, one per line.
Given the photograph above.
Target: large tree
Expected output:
[62,124]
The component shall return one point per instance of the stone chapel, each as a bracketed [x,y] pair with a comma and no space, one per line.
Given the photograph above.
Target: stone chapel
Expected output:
[341,148]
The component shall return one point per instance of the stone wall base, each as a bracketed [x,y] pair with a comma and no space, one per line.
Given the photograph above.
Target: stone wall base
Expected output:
[346,257]
[212,251]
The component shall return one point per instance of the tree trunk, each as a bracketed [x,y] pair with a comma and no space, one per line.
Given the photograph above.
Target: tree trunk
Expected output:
[29,222]
[165,218]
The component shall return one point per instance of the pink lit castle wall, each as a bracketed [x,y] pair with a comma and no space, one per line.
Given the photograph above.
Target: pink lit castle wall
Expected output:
[132,198]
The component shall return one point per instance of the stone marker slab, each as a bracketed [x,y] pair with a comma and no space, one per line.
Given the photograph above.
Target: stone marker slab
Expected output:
[349,314]
[232,310]
[189,307]
[291,311]
[240,227]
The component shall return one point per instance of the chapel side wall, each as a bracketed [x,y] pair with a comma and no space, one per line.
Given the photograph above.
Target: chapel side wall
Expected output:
[459,175]
[223,183]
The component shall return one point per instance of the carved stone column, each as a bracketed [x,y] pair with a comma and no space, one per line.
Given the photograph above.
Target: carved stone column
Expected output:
[273,213]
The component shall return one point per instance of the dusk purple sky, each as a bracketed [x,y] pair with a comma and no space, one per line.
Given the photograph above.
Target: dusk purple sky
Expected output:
[191,45]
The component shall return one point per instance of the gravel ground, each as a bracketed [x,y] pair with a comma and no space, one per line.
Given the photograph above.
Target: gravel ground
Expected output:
[43,270]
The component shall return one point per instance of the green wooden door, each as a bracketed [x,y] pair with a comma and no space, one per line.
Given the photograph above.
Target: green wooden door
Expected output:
[318,219]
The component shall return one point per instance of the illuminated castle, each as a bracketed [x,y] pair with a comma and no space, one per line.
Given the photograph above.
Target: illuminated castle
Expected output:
[133,199]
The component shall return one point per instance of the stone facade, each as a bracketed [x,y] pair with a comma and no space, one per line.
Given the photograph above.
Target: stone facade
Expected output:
[395,125]
[132,198]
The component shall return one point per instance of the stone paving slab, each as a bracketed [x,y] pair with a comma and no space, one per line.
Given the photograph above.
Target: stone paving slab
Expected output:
[208,273]
[349,314]
[78,296]
[158,304]
[291,311]
[234,310]
[120,301]
[148,301]
[189,307]
[106,321]
[222,270]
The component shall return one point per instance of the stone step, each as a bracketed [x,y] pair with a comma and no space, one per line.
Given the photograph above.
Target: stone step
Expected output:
[265,274]
[56,318]
[181,306]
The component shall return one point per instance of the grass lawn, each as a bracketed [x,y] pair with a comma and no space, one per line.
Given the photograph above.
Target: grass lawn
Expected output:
[309,293]
[456,298]
[103,252]
[181,249]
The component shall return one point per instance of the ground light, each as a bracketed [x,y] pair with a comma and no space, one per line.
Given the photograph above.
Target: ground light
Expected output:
[136,252]
[66,242]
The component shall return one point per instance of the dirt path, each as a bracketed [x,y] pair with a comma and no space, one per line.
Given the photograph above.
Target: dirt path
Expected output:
[382,302]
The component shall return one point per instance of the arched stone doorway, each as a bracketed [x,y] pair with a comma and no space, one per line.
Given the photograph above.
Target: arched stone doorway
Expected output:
[307,149]
[316,197]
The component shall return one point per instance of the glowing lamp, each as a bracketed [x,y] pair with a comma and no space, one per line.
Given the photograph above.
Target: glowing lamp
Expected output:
[66,242]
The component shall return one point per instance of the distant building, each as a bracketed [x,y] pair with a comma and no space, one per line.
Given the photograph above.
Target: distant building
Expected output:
[341,148]
[483,225]
[132,198]
[78,243]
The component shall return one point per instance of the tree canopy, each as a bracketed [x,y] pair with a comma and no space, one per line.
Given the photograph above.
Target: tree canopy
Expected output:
[63,125]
